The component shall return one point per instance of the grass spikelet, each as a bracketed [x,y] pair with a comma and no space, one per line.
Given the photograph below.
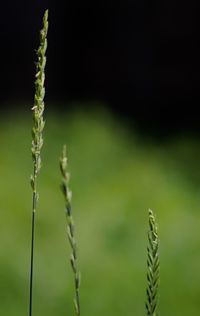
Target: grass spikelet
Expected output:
[153,268]
[37,137]
[70,227]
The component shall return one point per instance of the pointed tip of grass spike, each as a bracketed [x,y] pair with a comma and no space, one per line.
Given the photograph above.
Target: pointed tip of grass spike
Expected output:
[45,24]
[151,214]
[152,220]
[150,211]
[63,164]
[64,151]
[46,15]
[63,157]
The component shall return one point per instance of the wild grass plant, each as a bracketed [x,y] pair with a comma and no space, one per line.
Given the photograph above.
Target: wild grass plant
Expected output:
[37,143]
[37,137]
[70,227]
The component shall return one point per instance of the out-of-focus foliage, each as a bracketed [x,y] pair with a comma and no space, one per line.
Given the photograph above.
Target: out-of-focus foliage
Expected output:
[115,177]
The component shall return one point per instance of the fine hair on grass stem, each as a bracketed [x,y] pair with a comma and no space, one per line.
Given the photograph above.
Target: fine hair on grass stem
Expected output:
[37,138]
[153,268]
[70,227]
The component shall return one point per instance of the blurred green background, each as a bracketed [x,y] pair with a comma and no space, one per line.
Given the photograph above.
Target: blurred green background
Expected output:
[116,175]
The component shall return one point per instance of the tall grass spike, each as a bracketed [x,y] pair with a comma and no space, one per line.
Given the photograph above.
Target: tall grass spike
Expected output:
[37,136]
[153,267]
[70,227]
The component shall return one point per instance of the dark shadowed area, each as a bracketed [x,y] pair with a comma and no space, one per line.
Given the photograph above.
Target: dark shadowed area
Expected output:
[140,58]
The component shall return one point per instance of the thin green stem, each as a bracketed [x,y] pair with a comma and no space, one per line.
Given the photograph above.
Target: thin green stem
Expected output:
[31,267]
[70,228]
[153,268]
[37,140]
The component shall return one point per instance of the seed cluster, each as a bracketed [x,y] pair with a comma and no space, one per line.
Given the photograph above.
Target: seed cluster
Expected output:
[153,267]
[38,108]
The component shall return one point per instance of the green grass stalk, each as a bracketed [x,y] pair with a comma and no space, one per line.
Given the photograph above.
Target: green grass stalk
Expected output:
[153,267]
[37,138]
[70,227]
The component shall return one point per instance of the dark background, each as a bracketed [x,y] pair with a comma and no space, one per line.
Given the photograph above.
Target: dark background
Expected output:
[140,58]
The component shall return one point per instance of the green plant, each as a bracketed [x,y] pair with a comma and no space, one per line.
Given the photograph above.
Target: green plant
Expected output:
[37,137]
[70,227]
[153,267]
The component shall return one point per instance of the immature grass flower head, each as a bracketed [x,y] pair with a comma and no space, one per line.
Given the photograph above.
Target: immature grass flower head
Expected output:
[153,267]
[37,137]
[38,108]
[70,227]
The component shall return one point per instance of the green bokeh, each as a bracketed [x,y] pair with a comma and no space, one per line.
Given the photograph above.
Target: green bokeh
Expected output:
[115,177]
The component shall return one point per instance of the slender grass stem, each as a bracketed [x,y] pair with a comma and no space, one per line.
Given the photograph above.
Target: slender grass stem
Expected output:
[70,228]
[153,268]
[37,139]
